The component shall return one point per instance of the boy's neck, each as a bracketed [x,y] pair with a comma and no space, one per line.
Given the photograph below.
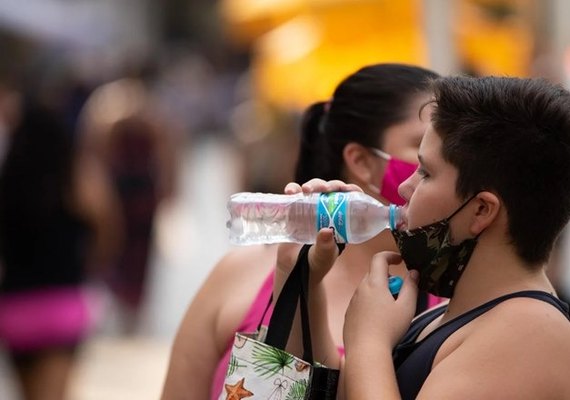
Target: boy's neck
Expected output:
[494,270]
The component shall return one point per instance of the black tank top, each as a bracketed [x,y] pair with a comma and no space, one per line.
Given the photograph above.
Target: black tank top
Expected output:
[413,361]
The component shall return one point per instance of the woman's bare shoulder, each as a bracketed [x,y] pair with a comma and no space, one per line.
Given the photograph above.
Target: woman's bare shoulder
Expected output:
[225,296]
[246,260]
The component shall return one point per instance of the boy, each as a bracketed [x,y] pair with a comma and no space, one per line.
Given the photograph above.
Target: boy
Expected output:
[484,209]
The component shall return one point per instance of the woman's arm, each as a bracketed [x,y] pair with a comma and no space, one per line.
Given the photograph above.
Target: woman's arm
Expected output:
[212,319]
[195,351]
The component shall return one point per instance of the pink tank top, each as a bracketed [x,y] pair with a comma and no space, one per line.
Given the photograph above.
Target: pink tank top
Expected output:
[434,300]
[249,324]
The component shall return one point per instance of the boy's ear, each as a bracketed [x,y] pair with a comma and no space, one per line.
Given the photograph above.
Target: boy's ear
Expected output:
[487,210]
[359,162]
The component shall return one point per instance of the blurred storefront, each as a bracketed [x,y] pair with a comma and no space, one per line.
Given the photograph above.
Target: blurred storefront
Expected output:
[302,49]
[496,37]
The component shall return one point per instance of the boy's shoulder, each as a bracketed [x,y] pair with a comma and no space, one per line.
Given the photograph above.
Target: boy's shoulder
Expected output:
[528,323]
[519,349]
[525,323]
[527,335]
[528,314]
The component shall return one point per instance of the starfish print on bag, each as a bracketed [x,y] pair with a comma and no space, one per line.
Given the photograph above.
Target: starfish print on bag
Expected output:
[301,366]
[237,391]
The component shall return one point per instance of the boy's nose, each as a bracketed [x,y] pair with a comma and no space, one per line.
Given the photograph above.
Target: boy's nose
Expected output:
[406,188]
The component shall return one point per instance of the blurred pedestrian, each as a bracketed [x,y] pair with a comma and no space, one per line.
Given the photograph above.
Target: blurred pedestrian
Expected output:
[121,128]
[56,218]
[10,100]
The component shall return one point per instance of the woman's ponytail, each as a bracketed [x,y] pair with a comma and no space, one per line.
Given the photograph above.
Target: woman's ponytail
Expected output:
[310,143]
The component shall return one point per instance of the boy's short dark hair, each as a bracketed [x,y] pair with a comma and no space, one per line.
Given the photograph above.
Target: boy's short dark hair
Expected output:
[510,136]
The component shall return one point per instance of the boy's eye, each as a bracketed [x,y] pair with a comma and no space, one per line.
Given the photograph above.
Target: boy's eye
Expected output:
[422,172]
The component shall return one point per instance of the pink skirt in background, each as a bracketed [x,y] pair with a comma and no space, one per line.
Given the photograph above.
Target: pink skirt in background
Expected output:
[39,319]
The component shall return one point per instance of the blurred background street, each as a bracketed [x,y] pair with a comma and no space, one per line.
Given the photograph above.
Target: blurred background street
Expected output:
[217,87]
[112,366]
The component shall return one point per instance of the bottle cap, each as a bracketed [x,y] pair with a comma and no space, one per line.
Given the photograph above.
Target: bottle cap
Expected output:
[395,284]
[394,216]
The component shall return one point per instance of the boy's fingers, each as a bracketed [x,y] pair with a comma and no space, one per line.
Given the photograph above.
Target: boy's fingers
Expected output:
[409,291]
[379,266]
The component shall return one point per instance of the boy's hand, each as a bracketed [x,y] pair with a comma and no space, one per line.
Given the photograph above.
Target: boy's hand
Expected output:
[373,317]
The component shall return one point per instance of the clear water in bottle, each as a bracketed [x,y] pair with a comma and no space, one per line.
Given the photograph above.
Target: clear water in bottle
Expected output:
[257,218]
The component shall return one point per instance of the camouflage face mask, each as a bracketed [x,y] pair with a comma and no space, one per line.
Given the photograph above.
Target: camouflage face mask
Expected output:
[429,250]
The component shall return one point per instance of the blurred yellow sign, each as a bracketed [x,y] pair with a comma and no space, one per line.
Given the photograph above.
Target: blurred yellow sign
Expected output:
[303,59]
[495,37]
[246,20]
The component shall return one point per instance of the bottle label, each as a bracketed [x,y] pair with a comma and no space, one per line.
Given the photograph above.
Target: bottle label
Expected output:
[331,213]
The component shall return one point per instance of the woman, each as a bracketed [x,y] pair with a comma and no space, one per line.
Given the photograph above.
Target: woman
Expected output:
[123,131]
[56,215]
[367,134]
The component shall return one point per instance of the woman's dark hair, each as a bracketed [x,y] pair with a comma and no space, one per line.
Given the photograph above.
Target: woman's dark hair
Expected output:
[36,176]
[510,136]
[363,106]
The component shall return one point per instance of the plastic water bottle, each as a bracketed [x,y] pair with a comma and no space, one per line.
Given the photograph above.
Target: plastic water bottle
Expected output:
[257,218]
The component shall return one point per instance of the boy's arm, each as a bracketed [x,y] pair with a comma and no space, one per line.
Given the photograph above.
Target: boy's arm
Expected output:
[374,325]
[368,373]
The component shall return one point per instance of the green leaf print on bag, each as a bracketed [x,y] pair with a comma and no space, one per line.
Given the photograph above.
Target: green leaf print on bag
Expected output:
[270,361]
[298,390]
[234,365]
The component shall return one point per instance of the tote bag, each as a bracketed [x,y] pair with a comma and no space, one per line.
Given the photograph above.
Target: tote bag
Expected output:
[259,366]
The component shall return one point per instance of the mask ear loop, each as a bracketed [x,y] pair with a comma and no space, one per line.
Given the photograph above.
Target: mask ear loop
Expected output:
[462,206]
[383,155]
[380,153]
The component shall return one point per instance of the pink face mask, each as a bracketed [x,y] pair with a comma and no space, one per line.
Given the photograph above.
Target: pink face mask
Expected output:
[397,171]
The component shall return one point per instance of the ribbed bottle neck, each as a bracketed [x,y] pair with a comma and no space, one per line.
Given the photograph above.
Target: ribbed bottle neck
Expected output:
[394,216]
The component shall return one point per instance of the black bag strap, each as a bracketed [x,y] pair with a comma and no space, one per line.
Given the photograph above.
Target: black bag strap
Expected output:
[265,312]
[303,305]
[295,291]
[340,246]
